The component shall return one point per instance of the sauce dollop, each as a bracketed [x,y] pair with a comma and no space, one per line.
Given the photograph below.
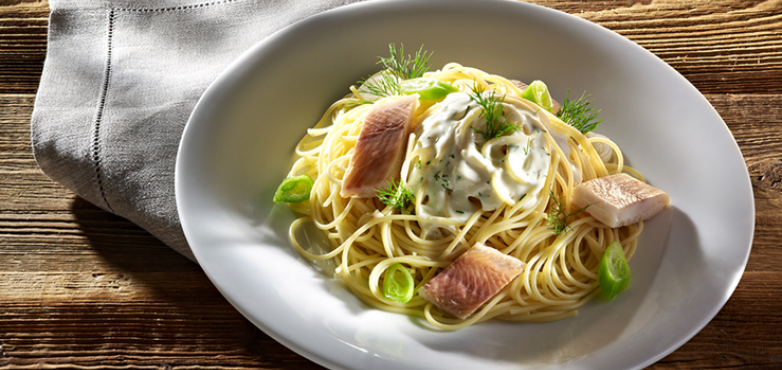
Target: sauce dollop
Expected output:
[460,172]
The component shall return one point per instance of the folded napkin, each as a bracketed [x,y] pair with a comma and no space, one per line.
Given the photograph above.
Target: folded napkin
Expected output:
[119,82]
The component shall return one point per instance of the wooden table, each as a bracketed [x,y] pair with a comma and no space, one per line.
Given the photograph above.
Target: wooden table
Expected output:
[82,288]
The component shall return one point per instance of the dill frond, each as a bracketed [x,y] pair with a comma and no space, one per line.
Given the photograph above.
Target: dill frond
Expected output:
[385,85]
[397,68]
[406,67]
[496,124]
[579,114]
[396,196]
[558,219]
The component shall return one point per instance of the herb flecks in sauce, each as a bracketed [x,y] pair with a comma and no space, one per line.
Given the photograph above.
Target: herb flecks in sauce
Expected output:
[465,177]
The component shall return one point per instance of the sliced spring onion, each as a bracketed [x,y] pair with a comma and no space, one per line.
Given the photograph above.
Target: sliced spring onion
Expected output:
[537,92]
[428,89]
[398,284]
[613,272]
[294,189]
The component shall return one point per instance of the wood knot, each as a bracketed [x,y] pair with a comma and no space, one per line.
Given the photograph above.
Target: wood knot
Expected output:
[767,174]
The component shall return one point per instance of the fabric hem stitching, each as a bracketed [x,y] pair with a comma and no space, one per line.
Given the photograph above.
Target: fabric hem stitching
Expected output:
[95,144]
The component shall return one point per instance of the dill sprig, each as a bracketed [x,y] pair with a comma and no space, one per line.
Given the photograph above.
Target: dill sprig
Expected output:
[558,219]
[396,196]
[354,103]
[397,68]
[384,85]
[406,67]
[578,113]
[496,124]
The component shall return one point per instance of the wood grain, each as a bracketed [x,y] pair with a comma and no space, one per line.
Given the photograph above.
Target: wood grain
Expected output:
[23,26]
[83,289]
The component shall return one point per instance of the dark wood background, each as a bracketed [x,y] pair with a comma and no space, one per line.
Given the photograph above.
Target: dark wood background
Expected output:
[81,288]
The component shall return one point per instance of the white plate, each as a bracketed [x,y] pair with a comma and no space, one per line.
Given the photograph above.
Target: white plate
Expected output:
[237,147]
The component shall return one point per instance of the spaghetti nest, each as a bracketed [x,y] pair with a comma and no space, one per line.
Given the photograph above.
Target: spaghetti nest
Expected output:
[363,237]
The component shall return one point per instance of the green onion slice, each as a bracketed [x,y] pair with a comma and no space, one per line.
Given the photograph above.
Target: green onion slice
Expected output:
[428,89]
[613,272]
[398,284]
[294,189]
[537,92]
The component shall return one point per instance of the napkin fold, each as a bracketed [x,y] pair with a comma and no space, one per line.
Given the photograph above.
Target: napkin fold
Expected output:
[119,83]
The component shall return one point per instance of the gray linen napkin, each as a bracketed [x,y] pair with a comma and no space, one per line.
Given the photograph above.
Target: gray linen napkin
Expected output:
[119,82]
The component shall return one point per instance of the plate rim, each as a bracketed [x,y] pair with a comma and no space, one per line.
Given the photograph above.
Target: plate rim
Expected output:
[226,75]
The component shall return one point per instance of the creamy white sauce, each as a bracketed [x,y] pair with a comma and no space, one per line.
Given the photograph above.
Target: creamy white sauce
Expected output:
[459,173]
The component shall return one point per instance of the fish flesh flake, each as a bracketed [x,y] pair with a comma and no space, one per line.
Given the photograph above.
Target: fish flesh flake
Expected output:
[620,200]
[471,280]
[380,149]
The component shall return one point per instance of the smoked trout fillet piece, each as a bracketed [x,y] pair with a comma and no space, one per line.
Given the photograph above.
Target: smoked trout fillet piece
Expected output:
[380,149]
[471,280]
[620,200]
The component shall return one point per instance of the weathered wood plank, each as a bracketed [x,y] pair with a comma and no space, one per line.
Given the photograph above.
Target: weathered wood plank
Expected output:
[81,288]
[720,46]
[59,312]
[23,29]
[185,331]
[36,211]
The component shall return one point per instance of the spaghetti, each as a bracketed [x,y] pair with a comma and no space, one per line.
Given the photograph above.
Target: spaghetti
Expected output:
[511,192]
